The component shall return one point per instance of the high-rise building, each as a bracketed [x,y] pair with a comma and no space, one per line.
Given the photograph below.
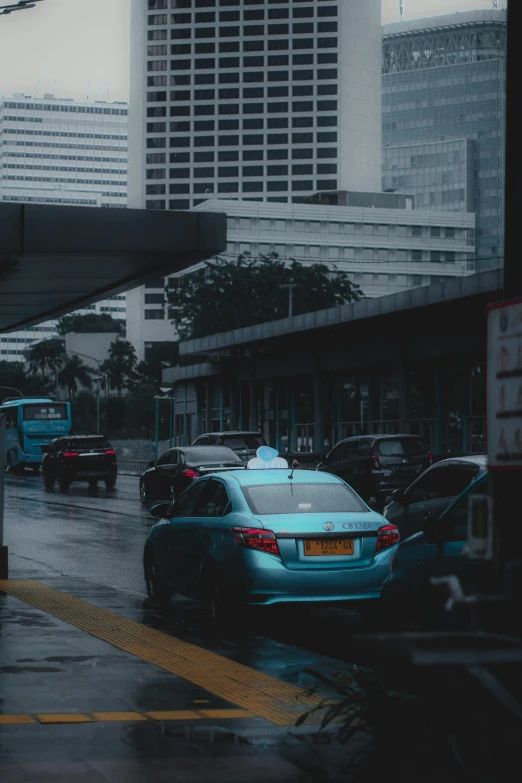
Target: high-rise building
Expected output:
[60,151]
[261,101]
[444,85]
[269,101]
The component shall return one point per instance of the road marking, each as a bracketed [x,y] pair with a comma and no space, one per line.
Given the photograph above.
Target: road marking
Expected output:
[227,714]
[259,694]
[63,717]
[49,718]
[13,720]
[118,716]
[174,715]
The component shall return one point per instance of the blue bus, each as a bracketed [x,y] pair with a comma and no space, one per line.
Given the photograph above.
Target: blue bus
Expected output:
[32,422]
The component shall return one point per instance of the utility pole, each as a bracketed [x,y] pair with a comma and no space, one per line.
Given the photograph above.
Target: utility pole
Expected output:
[290,287]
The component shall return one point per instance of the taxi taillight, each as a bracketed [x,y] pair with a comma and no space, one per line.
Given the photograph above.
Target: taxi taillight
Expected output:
[256,538]
[387,536]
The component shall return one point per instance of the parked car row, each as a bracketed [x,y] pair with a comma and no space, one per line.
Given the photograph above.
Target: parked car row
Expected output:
[236,538]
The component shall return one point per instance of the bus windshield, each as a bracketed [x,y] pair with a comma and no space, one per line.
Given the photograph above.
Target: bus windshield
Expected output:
[45,412]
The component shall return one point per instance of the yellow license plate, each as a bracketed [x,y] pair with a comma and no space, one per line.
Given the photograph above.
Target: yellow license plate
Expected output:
[328,546]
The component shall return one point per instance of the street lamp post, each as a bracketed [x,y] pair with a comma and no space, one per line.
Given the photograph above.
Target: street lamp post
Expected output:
[290,287]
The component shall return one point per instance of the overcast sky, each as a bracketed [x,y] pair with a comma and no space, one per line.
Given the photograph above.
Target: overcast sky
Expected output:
[63,45]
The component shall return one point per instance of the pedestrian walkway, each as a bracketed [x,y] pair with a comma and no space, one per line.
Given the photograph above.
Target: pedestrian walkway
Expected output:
[90,691]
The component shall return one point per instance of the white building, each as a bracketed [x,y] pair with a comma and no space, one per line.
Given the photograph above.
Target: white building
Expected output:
[250,100]
[60,151]
[384,250]
[253,100]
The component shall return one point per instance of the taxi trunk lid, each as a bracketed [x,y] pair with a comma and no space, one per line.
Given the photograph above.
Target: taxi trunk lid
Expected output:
[325,541]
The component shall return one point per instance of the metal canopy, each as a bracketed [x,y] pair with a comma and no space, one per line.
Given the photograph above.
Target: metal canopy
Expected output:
[54,259]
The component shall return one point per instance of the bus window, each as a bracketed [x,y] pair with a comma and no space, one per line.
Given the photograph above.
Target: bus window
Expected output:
[45,412]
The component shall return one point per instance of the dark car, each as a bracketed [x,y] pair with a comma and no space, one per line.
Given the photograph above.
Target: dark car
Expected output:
[244,443]
[177,468]
[437,550]
[89,458]
[432,492]
[375,465]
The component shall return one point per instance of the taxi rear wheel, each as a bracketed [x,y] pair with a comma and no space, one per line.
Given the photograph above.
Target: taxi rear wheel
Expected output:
[156,590]
[221,609]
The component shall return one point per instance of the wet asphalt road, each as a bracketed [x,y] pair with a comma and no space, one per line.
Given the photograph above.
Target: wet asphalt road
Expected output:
[98,536]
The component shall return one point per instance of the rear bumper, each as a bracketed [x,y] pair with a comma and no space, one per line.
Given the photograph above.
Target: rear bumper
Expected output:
[267,581]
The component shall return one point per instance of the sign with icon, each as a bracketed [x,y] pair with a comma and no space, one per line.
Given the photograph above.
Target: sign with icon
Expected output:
[505,385]
[266,457]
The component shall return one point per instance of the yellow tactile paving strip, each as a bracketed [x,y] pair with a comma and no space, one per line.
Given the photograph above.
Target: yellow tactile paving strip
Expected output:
[260,694]
[52,718]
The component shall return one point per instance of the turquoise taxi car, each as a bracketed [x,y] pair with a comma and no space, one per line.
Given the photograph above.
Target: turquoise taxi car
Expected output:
[263,537]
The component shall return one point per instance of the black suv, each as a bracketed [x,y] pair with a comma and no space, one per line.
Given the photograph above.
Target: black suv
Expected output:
[244,443]
[375,465]
[89,458]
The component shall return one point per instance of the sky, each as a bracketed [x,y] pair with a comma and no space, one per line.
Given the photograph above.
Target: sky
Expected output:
[62,46]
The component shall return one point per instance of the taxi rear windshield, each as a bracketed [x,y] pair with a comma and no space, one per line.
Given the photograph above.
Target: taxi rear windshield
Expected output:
[302,499]
[55,412]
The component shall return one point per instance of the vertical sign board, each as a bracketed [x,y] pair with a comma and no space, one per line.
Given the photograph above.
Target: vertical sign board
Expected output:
[504,379]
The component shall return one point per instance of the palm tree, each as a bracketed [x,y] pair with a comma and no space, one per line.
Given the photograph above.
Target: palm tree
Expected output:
[72,372]
[121,364]
[45,356]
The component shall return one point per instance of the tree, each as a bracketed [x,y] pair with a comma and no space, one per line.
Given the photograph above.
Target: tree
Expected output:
[14,375]
[45,357]
[121,365]
[72,372]
[227,295]
[90,323]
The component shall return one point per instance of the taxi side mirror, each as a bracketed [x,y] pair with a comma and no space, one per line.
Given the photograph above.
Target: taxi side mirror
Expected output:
[160,510]
[45,449]
[151,464]
[399,497]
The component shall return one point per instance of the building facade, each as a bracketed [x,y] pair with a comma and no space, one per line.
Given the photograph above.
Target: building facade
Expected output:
[384,250]
[444,88]
[58,151]
[257,100]
[410,362]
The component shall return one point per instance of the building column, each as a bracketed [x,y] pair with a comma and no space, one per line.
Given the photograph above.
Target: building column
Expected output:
[439,424]
[208,415]
[292,435]
[318,413]
[277,414]
[464,407]
[404,403]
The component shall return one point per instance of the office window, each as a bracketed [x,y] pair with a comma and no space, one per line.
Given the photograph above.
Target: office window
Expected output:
[252,171]
[301,169]
[155,315]
[205,156]
[277,185]
[228,187]
[277,122]
[252,187]
[256,123]
[228,155]
[228,171]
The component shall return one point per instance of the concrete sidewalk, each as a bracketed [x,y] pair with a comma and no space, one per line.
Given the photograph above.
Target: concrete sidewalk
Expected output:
[76,708]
